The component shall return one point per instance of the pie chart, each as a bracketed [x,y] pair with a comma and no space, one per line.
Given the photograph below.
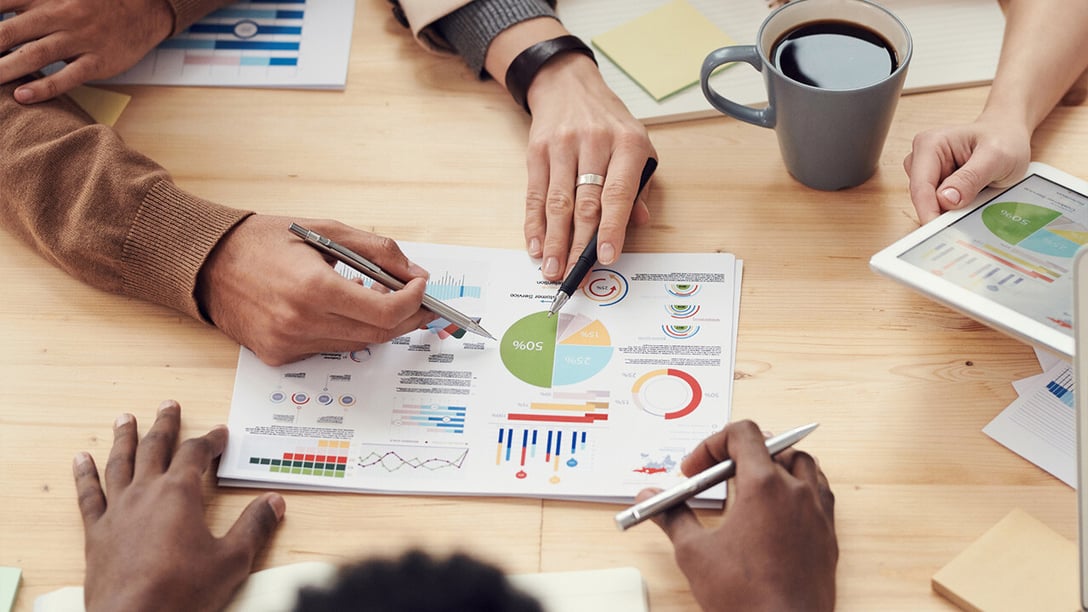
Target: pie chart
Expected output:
[558,350]
[669,393]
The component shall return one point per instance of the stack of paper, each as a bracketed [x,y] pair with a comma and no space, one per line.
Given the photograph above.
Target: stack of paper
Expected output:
[595,403]
[1041,424]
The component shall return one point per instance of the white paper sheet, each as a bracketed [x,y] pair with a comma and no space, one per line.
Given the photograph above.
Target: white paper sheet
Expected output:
[597,403]
[1040,425]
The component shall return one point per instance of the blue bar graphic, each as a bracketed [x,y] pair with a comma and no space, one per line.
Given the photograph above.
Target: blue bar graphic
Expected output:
[229,13]
[509,442]
[228,28]
[228,45]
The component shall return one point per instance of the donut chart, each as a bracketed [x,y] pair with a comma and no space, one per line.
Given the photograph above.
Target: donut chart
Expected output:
[551,351]
[670,393]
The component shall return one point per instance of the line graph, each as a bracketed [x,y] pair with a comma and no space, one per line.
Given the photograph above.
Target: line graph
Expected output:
[415,458]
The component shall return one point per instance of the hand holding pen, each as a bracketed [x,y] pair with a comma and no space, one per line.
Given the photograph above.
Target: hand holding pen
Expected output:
[775,547]
[588,258]
[374,272]
[280,298]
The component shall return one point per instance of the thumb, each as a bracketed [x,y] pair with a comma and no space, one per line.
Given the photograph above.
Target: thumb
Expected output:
[254,528]
[678,522]
[960,188]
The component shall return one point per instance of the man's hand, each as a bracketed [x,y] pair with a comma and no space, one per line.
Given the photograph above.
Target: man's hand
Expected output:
[776,547]
[148,546]
[279,297]
[98,39]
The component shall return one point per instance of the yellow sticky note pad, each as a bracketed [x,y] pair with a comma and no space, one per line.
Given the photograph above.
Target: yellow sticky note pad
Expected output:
[103,105]
[1019,564]
[663,49]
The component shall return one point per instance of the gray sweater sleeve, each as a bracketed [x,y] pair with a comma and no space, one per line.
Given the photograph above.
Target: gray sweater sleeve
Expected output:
[471,28]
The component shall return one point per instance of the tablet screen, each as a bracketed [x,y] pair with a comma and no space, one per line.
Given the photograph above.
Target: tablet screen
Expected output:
[1016,249]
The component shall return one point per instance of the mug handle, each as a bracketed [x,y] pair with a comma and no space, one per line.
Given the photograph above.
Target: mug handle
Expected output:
[739,53]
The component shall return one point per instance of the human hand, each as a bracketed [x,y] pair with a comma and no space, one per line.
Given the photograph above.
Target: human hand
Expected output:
[949,166]
[98,39]
[776,547]
[279,297]
[579,127]
[148,546]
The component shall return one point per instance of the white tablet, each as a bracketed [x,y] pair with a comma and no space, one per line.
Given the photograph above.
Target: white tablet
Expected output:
[1080,400]
[1006,260]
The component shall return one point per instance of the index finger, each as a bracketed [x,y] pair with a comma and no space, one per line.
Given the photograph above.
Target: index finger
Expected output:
[730,442]
[381,250]
[925,173]
[618,198]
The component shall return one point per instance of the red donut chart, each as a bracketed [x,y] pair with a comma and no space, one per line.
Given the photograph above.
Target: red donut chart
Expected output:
[670,393]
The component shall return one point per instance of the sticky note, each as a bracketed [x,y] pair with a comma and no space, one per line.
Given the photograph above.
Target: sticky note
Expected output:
[9,586]
[1019,564]
[663,50]
[102,105]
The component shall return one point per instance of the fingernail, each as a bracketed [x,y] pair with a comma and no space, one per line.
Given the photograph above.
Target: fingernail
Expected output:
[278,505]
[167,404]
[607,253]
[534,247]
[417,271]
[952,195]
[122,420]
[81,459]
[551,266]
[24,95]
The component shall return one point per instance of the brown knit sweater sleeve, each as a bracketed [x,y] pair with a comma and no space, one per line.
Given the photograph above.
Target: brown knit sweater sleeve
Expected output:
[99,210]
[186,12]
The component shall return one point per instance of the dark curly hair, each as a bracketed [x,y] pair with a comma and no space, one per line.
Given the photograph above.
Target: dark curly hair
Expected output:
[417,582]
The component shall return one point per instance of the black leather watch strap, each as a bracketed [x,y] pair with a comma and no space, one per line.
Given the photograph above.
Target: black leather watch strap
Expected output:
[522,71]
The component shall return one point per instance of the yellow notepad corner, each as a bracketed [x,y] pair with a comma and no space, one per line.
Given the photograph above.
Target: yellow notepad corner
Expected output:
[663,50]
[102,105]
[1018,564]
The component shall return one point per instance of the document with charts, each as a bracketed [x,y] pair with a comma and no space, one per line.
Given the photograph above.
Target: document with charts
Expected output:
[260,43]
[596,403]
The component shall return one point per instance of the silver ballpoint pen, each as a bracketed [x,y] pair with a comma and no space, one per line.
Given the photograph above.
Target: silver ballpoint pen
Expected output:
[702,481]
[374,272]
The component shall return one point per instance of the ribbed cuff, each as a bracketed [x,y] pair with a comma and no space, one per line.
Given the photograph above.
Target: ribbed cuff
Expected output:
[171,238]
[471,28]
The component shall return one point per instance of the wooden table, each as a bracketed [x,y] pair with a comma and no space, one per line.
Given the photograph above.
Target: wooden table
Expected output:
[901,386]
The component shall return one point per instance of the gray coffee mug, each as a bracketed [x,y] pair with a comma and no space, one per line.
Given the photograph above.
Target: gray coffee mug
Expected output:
[829,138]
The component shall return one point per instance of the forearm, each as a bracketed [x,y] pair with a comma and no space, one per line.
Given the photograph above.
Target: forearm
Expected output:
[99,210]
[473,30]
[1034,74]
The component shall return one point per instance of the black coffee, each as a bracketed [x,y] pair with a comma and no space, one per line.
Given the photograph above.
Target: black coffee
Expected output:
[834,55]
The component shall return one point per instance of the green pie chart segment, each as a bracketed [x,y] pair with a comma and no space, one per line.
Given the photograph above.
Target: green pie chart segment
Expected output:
[528,348]
[1015,221]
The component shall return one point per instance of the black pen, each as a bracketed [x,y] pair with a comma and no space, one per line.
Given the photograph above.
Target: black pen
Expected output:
[588,258]
[371,270]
